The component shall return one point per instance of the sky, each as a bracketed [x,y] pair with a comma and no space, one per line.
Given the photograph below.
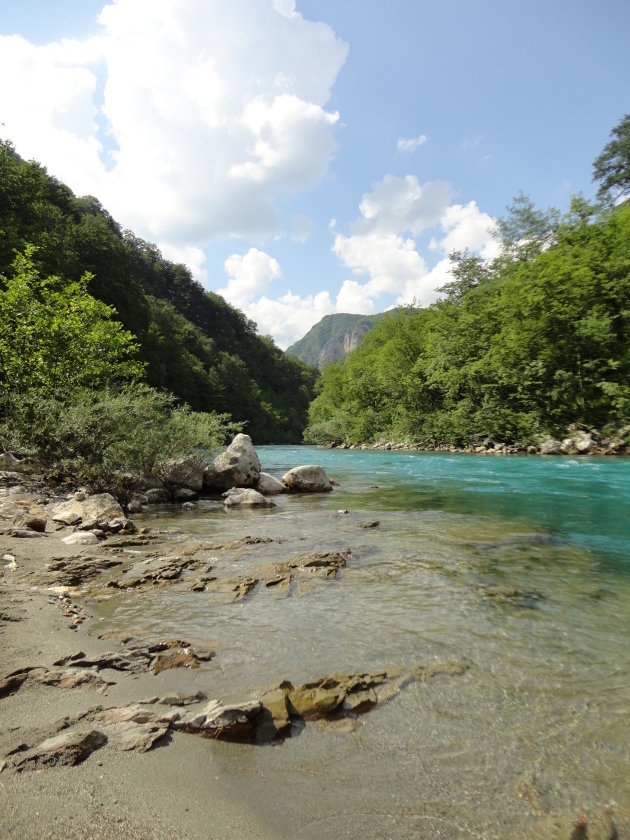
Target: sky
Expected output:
[305,157]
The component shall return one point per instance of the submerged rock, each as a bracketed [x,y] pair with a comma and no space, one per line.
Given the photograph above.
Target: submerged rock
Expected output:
[246,497]
[308,478]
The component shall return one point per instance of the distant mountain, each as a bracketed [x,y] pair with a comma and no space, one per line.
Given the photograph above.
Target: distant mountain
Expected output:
[331,338]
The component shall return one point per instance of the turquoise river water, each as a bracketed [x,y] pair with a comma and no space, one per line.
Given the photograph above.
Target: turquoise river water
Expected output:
[518,566]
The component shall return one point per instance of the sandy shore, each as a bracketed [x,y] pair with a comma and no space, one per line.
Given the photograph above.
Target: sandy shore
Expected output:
[155,794]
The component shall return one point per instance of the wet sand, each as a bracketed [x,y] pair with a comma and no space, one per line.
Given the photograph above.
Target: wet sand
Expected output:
[157,794]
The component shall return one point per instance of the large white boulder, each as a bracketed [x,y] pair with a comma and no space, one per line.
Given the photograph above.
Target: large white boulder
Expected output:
[80,538]
[238,466]
[550,446]
[308,478]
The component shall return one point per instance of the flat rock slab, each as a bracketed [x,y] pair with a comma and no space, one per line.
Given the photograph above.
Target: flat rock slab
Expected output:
[69,748]
[100,506]
[134,727]
[153,656]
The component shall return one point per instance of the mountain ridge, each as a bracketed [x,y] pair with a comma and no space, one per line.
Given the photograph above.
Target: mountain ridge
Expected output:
[332,338]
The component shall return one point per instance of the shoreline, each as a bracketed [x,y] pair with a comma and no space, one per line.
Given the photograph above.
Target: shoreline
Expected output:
[130,795]
[591,443]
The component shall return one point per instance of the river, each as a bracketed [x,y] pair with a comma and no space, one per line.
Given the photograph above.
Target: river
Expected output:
[517,566]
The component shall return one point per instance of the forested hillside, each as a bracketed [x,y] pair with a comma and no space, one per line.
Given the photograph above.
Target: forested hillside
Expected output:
[528,344]
[194,343]
[332,338]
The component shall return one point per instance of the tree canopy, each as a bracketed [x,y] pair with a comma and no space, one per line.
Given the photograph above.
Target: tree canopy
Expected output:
[612,167]
[192,342]
[535,341]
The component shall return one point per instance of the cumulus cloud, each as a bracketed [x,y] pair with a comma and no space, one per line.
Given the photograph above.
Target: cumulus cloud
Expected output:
[212,111]
[380,251]
[250,275]
[410,144]
[468,229]
[399,205]
[290,316]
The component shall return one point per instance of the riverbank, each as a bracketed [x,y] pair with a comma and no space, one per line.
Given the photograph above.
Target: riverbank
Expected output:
[577,442]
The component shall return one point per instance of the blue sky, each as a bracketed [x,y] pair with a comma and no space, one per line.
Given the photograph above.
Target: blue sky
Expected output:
[315,156]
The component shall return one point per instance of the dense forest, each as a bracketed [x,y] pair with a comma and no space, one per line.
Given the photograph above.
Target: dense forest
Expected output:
[192,342]
[525,345]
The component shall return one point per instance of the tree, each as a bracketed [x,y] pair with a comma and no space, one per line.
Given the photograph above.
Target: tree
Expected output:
[55,337]
[612,167]
[526,231]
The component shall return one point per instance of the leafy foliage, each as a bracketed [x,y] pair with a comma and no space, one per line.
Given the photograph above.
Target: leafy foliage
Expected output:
[530,343]
[192,342]
[54,336]
[612,167]
[69,389]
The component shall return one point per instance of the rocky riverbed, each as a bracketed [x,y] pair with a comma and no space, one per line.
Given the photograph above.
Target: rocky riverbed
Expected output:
[98,739]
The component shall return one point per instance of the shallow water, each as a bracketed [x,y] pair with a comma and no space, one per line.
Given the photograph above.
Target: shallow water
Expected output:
[538,726]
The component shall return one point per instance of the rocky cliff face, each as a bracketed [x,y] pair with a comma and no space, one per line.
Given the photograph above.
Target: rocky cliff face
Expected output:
[332,338]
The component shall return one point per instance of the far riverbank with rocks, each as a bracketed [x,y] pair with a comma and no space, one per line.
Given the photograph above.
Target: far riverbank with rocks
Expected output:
[577,441]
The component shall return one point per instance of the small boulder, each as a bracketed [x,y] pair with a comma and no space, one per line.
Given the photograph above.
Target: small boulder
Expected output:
[238,466]
[550,446]
[155,496]
[80,538]
[269,485]
[98,507]
[307,479]
[245,497]
[185,494]
[226,723]
[24,514]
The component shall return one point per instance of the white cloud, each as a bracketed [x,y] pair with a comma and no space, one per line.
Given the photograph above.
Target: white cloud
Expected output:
[213,110]
[250,275]
[410,144]
[389,260]
[468,229]
[398,205]
[289,317]
[354,297]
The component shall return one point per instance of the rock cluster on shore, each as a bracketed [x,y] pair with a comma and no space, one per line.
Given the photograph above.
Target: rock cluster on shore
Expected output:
[577,441]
